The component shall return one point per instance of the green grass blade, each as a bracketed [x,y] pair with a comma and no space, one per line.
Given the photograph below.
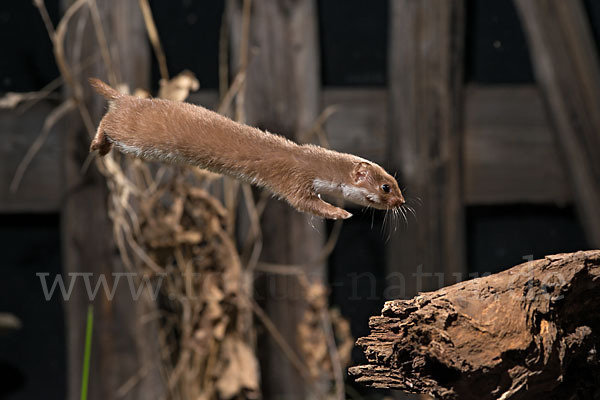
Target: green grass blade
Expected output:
[87,352]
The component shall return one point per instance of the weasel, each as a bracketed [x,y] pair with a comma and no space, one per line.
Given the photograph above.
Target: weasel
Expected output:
[164,130]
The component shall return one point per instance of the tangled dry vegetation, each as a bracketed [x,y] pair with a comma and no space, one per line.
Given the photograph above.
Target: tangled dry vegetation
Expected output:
[170,224]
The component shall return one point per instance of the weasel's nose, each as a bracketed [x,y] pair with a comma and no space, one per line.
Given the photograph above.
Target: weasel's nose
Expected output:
[399,201]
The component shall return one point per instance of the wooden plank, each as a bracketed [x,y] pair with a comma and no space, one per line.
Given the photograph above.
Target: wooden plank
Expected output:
[510,154]
[124,345]
[567,69]
[425,85]
[283,96]
[508,142]
[42,185]
[359,125]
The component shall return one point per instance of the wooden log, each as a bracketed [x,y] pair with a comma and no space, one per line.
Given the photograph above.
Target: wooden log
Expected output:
[532,331]
[567,69]
[283,96]
[425,141]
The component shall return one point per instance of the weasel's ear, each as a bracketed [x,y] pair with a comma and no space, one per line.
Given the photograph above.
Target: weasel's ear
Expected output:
[360,172]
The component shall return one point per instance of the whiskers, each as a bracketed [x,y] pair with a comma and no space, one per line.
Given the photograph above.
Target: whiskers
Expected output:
[409,209]
[399,217]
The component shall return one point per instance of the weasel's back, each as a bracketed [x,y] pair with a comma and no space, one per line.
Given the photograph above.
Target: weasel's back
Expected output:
[165,130]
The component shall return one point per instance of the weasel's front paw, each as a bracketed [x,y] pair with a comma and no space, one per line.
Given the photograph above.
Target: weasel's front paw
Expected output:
[330,211]
[314,205]
[340,214]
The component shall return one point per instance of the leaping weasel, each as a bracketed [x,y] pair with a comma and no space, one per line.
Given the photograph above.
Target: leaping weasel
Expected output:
[164,130]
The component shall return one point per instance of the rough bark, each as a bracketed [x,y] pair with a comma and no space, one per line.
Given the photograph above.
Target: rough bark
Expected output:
[529,332]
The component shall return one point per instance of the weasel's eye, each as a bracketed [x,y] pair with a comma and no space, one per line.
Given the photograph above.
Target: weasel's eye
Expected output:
[385,187]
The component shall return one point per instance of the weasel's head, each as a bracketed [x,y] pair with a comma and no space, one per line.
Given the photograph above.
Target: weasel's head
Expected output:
[373,187]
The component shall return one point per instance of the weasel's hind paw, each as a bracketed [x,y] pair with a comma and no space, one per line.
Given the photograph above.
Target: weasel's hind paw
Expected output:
[103,147]
[101,142]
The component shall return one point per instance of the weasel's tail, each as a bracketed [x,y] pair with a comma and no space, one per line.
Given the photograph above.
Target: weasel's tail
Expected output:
[106,91]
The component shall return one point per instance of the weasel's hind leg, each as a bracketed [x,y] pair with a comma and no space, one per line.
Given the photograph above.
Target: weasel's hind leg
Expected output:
[101,142]
[314,205]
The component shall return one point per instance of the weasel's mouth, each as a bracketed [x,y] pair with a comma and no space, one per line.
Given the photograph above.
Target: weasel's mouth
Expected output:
[389,204]
[379,206]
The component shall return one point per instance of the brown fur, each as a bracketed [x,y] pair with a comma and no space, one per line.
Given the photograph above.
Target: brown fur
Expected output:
[164,130]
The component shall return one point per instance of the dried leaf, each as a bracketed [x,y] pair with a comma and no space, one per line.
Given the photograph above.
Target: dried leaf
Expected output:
[179,87]
[241,369]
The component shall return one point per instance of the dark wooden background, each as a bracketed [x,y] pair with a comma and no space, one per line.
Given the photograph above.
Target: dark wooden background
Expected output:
[498,144]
